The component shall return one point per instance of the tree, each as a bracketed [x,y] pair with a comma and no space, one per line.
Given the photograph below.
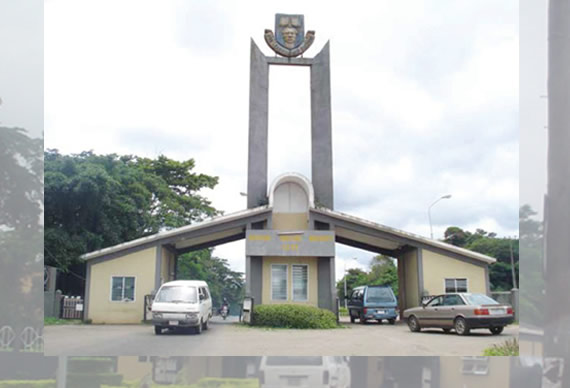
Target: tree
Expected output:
[354,277]
[383,272]
[222,281]
[21,197]
[489,244]
[95,201]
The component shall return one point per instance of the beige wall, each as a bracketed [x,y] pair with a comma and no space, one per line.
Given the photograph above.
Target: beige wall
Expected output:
[410,260]
[437,267]
[313,279]
[140,264]
[452,377]
[167,267]
[290,221]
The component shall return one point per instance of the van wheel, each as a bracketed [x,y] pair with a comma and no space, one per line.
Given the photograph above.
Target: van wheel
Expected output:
[391,321]
[157,330]
[352,319]
[460,326]
[362,319]
[205,325]
[198,329]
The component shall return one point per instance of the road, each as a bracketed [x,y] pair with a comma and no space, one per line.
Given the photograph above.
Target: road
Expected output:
[229,338]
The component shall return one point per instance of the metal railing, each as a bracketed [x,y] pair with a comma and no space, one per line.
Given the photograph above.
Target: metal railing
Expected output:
[29,339]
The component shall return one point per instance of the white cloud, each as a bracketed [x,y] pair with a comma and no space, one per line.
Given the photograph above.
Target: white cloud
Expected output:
[424,98]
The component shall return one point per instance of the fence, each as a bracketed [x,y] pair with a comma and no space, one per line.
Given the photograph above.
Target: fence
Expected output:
[72,307]
[28,339]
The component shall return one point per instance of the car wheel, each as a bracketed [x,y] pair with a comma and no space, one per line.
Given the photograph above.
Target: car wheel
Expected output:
[413,324]
[392,321]
[447,331]
[460,326]
[362,319]
[205,325]
[198,329]
[157,330]
[496,330]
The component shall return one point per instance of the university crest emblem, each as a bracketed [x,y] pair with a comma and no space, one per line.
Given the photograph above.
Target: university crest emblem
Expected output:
[288,39]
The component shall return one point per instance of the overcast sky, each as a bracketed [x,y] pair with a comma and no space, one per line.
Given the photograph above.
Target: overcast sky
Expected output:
[424,98]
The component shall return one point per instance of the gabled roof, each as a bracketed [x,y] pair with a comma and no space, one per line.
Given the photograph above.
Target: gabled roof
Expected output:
[232,224]
[397,237]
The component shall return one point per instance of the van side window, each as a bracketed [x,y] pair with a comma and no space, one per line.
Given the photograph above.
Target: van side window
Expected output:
[361,294]
[206,294]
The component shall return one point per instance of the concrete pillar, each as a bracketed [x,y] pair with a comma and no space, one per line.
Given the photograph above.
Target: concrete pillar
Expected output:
[321,129]
[515,302]
[324,272]
[254,277]
[258,124]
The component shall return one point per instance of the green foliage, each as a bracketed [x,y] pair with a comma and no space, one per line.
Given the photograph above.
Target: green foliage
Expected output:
[343,311]
[28,384]
[489,244]
[382,272]
[293,317]
[52,321]
[223,282]
[508,348]
[95,201]
[21,196]
[532,278]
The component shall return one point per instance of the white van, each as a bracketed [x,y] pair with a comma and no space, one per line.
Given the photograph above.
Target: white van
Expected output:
[182,303]
[304,371]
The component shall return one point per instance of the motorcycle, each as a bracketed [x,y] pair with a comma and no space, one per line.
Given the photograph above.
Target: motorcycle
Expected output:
[224,312]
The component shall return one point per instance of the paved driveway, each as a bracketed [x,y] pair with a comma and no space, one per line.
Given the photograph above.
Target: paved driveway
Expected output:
[228,338]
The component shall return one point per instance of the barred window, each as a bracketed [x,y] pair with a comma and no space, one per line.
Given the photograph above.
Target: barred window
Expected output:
[455,285]
[279,282]
[123,288]
[300,282]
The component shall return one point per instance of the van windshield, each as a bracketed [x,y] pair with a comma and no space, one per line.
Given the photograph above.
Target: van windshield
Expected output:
[379,295]
[176,294]
[283,361]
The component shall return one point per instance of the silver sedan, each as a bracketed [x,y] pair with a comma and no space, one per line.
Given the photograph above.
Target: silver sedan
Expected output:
[462,312]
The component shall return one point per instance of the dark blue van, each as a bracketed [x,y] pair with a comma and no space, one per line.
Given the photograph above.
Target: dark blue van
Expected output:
[372,302]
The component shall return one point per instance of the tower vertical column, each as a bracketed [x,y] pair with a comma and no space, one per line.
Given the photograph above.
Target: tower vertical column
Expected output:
[321,129]
[258,124]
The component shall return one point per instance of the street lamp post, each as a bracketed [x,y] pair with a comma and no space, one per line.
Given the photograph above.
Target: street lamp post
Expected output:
[429,212]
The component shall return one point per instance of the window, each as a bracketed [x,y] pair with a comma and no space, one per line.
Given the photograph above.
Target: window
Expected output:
[475,365]
[300,282]
[173,294]
[452,300]
[435,302]
[279,282]
[455,285]
[123,288]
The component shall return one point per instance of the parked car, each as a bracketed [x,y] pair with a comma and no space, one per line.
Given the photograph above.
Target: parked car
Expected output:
[305,371]
[182,303]
[372,302]
[462,312]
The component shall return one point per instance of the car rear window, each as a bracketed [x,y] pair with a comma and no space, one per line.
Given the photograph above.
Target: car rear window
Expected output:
[480,299]
[176,294]
[294,361]
[379,295]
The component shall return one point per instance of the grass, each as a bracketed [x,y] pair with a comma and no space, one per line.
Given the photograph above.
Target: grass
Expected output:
[51,321]
[508,348]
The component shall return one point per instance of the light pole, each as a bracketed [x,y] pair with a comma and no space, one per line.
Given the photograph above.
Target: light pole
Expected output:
[429,212]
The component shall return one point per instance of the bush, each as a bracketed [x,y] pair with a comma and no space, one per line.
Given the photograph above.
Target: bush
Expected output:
[343,311]
[28,384]
[293,317]
[509,348]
